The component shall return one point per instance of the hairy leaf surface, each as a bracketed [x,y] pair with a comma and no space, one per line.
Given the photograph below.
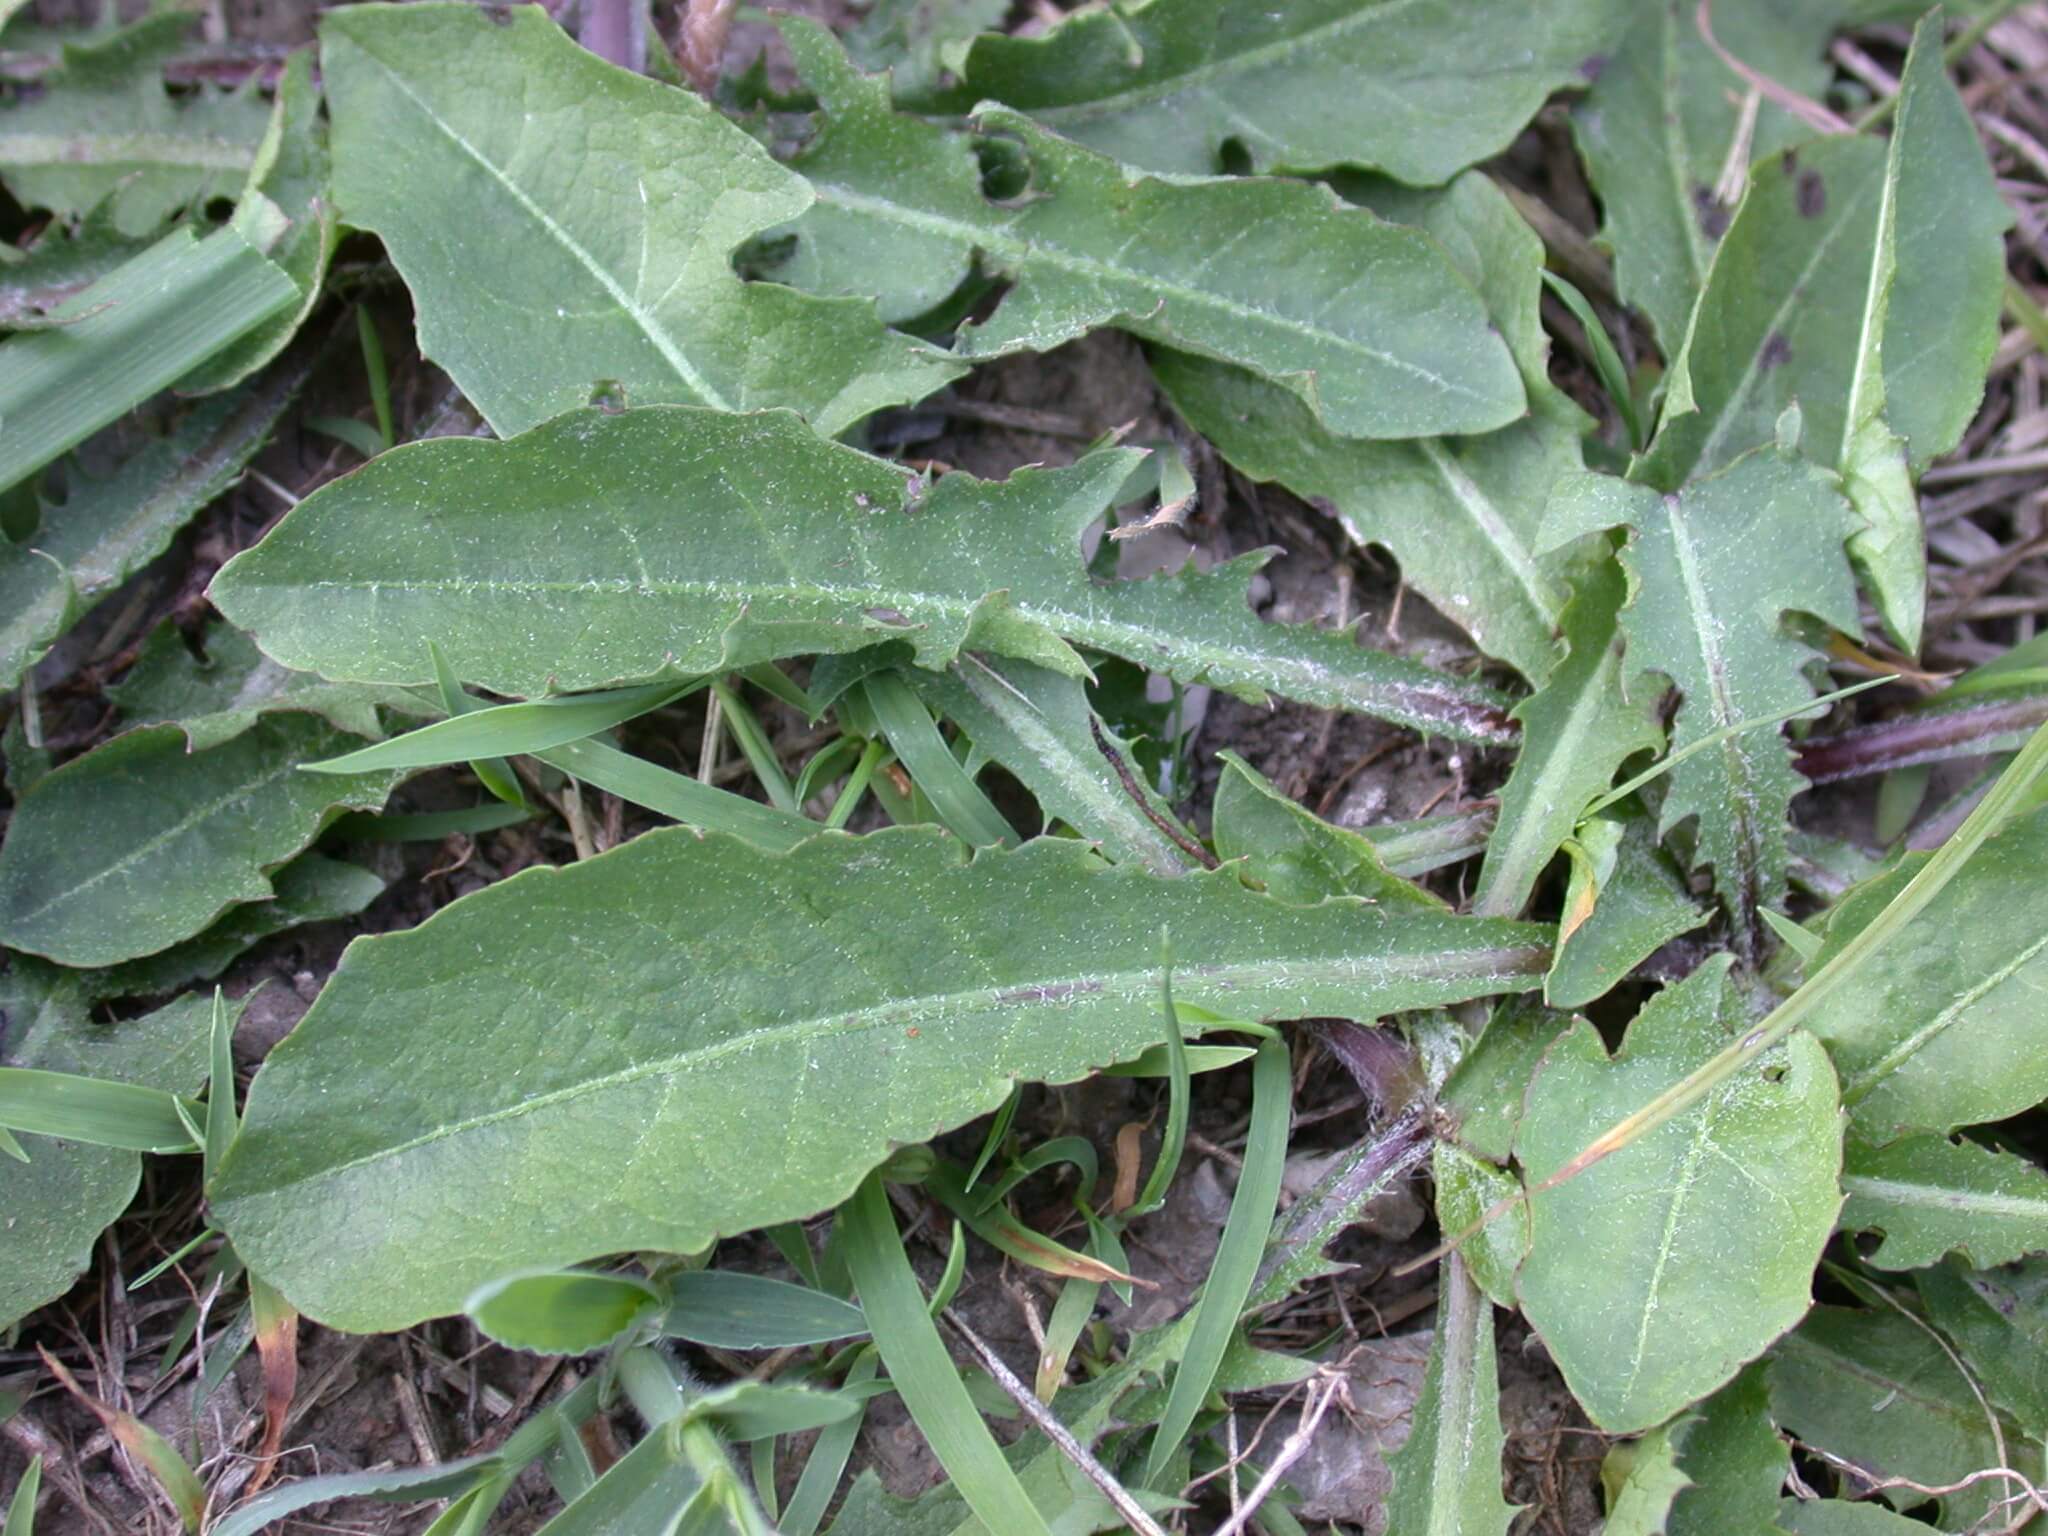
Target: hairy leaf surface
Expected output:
[563,223]
[1930,1196]
[1379,84]
[602,547]
[1460,513]
[1367,323]
[1627,1279]
[1941,1026]
[142,842]
[104,128]
[109,527]
[66,1194]
[1712,571]
[736,1037]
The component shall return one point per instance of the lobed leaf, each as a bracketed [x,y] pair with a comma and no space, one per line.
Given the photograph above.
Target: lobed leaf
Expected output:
[1460,513]
[609,206]
[735,1039]
[1930,1196]
[1040,726]
[1936,1029]
[104,128]
[1184,85]
[600,548]
[107,528]
[1998,1323]
[1365,322]
[1712,570]
[1626,1279]
[141,843]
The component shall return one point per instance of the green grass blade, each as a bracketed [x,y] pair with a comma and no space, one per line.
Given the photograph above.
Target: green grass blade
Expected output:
[21,1509]
[829,1455]
[494,773]
[738,1311]
[955,797]
[92,1110]
[11,1147]
[426,826]
[139,329]
[998,1128]
[923,1371]
[674,794]
[508,730]
[1237,1257]
[220,1086]
[1606,361]
[1174,1141]
[758,750]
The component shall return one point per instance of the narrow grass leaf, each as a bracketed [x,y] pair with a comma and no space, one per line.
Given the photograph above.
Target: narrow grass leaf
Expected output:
[677,795]
[959,802]
[923,1372]
[91,1110]
[1236,1264]
[173,1475]
[21,1509]
[508,730]
[138,330]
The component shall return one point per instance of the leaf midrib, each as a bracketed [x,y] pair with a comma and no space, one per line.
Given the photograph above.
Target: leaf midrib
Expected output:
[1862,1084]
[88,151]
[893,1013]
[1201,76]
[206,811]
[1948,1198]
[1173,650]
[1023,252]
[649,325]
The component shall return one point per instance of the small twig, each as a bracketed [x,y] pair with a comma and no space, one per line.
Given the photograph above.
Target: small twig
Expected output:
[1805,108]
[1048,1424]
[1176,834]
[1291,1450]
